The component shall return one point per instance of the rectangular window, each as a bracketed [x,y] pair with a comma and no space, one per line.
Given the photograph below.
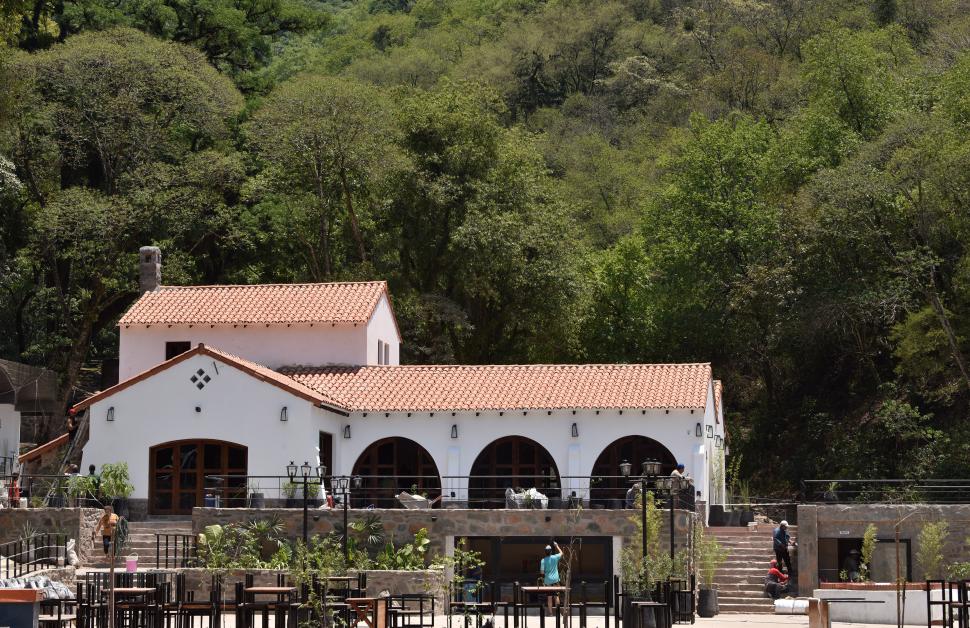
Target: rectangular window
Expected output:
[380,352]
[387,353]
[173,349]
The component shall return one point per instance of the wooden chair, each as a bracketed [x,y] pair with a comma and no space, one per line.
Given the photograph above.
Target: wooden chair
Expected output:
[58,613]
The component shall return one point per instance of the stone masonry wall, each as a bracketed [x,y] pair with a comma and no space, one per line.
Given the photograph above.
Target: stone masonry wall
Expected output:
[76,523]
[851,520]
[401,525]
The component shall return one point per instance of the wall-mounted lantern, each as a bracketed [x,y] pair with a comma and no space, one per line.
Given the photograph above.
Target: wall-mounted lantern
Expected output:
[111,414]
[575,431]
[454,431]
[347,431]
[283,416]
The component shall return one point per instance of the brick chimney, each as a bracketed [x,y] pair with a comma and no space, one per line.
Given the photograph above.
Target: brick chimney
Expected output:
[149,268]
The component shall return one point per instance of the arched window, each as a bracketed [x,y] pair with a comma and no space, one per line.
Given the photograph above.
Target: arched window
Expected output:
[182,472]
[513,461]
[605,487]
[392,465]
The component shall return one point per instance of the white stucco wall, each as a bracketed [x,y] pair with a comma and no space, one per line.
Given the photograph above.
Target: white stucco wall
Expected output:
[9,430]
[382,327]
[573,456]
[142,348]
[234,407]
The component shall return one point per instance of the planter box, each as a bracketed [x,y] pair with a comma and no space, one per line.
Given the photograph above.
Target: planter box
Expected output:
[882,610]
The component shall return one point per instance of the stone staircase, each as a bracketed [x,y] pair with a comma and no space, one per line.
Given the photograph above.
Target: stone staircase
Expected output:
[740,580]
[141,541]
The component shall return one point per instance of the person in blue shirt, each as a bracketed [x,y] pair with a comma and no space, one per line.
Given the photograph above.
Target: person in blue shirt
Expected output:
[781,540]
[549,566]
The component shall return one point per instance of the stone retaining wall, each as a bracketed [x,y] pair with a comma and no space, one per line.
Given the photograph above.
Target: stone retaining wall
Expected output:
[401,525]
[850,521]
[76,523]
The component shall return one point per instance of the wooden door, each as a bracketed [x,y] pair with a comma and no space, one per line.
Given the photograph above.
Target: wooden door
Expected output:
[182,472]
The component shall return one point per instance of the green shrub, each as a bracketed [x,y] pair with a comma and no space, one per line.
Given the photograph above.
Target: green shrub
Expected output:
[929,554]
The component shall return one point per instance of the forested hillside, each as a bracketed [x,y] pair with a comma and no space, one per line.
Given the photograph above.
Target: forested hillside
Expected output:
[779,187]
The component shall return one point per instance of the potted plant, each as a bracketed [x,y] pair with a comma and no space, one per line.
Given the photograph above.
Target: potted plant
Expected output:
[831,494]
[79,487]
[289,491]
[710,556]
[256,497]
[635,569]
[313,495]
[117,487]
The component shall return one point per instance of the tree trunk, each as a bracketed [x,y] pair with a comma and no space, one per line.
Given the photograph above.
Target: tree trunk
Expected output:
[354,224]
[951,338]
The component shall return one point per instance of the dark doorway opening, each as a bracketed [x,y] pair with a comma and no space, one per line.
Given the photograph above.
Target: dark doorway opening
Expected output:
[390,466]
[514,559]
[512,462]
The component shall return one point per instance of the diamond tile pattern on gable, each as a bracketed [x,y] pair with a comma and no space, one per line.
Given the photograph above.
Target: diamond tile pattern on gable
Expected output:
[200,379]
[338,303]
[510,387]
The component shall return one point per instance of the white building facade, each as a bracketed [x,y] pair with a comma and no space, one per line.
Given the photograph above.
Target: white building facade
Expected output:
[235,382]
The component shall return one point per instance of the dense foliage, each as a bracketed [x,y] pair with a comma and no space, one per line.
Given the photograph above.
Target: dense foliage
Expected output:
[779,187]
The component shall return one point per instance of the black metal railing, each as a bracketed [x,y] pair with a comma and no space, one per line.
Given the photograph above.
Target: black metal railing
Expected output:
[174,551]
[40,551]
[895,491]
[477,491]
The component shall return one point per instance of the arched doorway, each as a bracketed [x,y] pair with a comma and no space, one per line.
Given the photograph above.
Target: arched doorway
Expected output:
[179,470]
[392,465]
[513,461]
[606,486]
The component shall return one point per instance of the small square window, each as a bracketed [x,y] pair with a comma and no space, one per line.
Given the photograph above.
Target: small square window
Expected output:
[173,349]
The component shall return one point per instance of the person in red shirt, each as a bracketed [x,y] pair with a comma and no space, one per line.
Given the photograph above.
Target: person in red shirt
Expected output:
[13,491]
[776,582]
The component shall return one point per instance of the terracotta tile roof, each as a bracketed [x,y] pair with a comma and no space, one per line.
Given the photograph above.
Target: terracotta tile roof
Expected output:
[511,387]
[40,450]
[269,303]
[258,371]
[718,396]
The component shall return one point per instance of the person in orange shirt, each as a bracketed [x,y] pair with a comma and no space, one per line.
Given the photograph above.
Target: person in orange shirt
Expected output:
[106,525]
[13,491]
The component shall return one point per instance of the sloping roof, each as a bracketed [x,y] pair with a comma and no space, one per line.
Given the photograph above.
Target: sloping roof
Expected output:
[40,450]
[333,303]
[258,371]
[510,387]
[718,396]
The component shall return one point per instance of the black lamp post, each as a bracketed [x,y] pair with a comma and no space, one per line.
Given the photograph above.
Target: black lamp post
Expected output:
[649,469]
[341,486]
[306,473]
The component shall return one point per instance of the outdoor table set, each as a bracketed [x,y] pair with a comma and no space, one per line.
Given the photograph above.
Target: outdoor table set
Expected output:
[484,600]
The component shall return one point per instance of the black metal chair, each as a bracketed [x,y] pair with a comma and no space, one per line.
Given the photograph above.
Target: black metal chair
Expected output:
[412,610]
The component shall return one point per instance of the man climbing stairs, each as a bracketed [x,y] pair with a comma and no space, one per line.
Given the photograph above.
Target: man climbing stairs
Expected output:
[740,580]
[141,541]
